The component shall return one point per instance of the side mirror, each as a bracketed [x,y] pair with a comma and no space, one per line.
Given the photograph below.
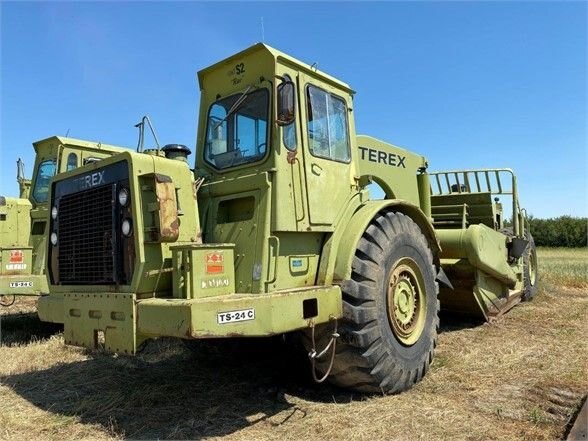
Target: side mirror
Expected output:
[286,103]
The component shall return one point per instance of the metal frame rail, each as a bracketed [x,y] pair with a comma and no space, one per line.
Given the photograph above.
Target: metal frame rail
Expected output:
[480,181]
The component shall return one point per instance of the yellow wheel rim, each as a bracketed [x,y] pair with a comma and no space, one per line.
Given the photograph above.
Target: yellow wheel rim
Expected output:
[406,301]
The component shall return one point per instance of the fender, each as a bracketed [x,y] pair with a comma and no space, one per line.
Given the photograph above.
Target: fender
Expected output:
[339,250]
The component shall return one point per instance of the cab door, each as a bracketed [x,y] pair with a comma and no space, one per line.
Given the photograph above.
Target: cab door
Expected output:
[327,152]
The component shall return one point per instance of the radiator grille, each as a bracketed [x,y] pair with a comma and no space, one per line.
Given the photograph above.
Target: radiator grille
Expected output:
[86,245]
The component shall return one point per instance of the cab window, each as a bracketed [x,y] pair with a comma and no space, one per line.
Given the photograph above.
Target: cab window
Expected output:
[45,172]
[290,136]
[237,129]
[327,125]
[289,131]
[72,161]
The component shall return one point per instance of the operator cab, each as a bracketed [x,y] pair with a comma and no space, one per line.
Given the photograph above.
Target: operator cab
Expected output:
[263,111]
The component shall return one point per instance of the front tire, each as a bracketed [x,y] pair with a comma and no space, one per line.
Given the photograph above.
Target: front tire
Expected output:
[390,310]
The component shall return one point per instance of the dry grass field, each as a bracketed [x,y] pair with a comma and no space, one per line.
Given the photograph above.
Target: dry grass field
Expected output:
[521,377]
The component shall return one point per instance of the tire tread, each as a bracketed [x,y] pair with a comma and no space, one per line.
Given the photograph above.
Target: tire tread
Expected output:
[363,362]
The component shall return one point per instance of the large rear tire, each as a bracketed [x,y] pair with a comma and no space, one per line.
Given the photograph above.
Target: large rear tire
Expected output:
[390,310]
[530,269]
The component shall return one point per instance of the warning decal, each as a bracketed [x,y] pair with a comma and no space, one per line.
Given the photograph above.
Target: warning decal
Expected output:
[214,263]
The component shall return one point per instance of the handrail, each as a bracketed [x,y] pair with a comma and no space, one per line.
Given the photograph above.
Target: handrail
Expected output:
[459,182]
[462,180]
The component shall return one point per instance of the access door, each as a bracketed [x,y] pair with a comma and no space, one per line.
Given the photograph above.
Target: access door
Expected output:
[327,152]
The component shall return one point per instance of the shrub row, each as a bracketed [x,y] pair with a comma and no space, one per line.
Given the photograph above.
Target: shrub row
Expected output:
[563,231]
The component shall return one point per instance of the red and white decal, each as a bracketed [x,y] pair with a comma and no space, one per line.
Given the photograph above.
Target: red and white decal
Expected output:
[16,261]
[215,263]
[16,256]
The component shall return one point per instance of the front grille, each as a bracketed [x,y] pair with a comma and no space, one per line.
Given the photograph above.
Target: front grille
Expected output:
[86,254]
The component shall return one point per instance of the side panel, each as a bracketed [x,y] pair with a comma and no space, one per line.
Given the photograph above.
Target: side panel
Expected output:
[15,222]
[391,167]
[16,256]
[293,260]
[238,212]
[38,239]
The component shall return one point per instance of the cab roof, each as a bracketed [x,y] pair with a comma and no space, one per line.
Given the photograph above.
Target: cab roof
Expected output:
[77,142]
[278,57]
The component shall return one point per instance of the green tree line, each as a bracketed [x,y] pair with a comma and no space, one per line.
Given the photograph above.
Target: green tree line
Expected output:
[563,231]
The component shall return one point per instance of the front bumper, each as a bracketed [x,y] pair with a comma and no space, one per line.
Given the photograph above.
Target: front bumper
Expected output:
[120,323]
[23,285]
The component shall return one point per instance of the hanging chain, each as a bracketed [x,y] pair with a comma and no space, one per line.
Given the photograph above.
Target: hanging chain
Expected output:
[4,300]
[313,355]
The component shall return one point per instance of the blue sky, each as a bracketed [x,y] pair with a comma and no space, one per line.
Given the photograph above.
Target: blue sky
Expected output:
[467,84]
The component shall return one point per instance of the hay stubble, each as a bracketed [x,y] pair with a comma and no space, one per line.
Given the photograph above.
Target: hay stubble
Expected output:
[518,378]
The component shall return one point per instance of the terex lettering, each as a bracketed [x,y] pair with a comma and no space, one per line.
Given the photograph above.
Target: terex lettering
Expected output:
[380,157]
[91,180]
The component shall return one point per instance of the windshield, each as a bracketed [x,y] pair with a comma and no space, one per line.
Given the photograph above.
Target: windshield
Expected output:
[236,133]
[44,174]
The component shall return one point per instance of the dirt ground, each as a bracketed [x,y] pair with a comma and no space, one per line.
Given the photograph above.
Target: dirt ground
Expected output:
[522,377]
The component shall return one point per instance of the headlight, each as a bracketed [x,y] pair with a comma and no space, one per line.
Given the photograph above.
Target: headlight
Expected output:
[53,237]
[123,197]
[126,227]
[54,213]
